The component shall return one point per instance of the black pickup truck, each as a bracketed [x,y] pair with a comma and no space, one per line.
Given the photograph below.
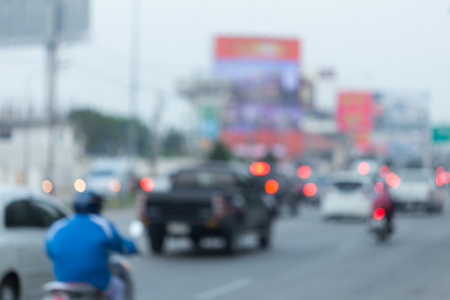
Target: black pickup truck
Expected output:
[208,201]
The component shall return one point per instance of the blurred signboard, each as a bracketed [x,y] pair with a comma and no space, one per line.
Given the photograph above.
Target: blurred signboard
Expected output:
[355,116]
[195,88]
[264,93]
[400,110]
[401,124]
[29,21]
[354,111]
[441,134]
[209,120]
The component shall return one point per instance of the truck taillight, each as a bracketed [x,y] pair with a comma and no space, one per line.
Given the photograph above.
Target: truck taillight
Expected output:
[218,205]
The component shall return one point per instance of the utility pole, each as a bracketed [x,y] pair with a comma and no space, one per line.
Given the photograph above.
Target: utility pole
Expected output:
[134,81]
[52,47]
[27,128]
[159,108]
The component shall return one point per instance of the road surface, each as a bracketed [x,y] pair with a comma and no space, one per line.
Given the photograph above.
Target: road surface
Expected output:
[309,259]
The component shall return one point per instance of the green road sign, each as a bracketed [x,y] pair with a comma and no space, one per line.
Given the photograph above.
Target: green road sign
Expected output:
[441,134]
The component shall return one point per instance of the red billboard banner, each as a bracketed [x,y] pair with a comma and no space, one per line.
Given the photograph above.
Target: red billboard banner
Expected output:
[257,48]
[355,112]
[260,142]
[355,116]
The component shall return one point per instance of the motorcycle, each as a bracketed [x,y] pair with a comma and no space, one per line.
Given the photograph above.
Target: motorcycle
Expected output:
[379,225]
[119,267]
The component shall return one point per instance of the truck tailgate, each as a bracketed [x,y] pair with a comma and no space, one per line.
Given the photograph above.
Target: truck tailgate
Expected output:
[179,205]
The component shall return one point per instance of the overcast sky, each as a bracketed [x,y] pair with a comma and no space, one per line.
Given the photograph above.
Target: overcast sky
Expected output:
[384,44]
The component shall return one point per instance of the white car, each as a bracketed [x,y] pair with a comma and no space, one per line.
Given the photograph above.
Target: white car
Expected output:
[110,177]
[417,189]
[349,196]
[25,216]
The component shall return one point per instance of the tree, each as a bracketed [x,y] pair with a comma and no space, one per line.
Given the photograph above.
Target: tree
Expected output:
[107,135]
[174,143]
[220,152]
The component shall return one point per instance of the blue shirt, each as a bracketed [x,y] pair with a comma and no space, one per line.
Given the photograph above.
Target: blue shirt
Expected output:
[79,248]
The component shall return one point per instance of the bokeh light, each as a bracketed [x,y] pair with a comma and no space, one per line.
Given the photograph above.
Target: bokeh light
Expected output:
[440,170]
[446,177]
[147,184]
[384,170]
[440,179]
[363,168]
[393,180]
[271,186]
[304,172]
[259,168]
[310,189]
[79,185]
[47,186]
[115,186]
[379,187]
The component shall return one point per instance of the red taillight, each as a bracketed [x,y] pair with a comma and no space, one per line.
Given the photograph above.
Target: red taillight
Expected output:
[310,189]
[147,184]
[260,168]
[58,297]
[378,214]
[271,186]
[218,206]
[304,172]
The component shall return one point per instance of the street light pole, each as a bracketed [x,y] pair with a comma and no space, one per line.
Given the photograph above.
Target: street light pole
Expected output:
[134,80]
[51,47]
[27,128]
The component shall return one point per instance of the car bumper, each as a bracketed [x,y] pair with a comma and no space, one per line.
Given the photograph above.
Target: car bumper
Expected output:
[359,210]
[186,227]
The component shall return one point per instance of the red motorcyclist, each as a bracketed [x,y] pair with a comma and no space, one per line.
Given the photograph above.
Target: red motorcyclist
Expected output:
[382,199]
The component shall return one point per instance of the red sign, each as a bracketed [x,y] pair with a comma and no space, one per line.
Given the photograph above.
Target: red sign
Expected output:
[355,113]
[266,140]
[257,48]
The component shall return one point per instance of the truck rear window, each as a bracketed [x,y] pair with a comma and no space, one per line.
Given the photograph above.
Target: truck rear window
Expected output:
[347,186]
[204,179]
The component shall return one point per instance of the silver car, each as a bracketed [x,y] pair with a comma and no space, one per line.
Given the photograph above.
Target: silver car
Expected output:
[417,190]
[25,216]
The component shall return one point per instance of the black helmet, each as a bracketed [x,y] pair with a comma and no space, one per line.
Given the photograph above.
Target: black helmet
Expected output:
[88,202]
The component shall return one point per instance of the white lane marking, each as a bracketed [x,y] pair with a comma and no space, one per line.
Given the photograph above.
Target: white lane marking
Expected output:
[347,245]
[225,289]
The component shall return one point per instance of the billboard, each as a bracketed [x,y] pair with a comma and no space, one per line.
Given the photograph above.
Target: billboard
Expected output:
[209,121]
[264,98]
[355,116]
[29,21]
[401,124]
[400,110]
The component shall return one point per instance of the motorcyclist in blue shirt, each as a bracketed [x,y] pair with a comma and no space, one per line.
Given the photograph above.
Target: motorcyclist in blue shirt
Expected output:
[79,247]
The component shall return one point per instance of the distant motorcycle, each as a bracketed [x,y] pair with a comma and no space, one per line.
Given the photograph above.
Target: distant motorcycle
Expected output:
[379,225]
